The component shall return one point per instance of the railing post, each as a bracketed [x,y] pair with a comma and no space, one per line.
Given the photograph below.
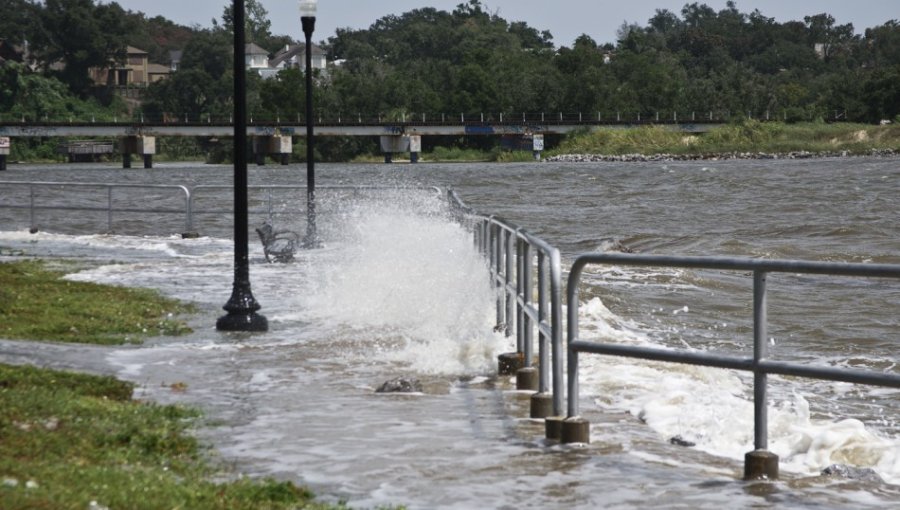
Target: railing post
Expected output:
[496,263]
[760,463]
[556,319]
[109,209]
[573,428]
[527,376]
[520,284]
[509,363]
[189,214]
[510,268]
[33,227]
[542,401]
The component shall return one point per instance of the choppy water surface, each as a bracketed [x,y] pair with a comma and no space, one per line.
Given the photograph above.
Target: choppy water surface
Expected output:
[398,290]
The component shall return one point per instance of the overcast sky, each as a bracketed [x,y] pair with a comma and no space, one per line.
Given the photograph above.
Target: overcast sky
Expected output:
[565,19]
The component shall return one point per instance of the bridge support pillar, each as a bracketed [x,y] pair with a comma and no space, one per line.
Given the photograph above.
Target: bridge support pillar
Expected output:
[415,147]
[4,151]
[278,146]
[143,145]
[391,144]
[537,146]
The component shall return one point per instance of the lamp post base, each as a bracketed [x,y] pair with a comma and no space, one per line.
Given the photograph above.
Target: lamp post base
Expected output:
[242,309]
[246,321]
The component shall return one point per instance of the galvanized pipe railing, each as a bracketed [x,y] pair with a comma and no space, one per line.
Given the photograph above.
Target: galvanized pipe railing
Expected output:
[759,463]
[512,255]
[191,196]
[109,194]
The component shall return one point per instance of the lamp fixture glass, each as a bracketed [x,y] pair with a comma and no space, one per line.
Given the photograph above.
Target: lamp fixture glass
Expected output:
[308,8]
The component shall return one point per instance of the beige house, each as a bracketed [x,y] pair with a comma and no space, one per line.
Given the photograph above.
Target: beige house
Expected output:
[136,71]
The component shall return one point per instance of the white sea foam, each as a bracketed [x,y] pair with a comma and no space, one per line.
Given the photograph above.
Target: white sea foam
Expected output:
[713,408]
[401,271]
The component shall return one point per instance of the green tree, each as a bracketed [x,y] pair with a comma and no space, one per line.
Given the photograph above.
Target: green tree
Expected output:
[256,20]
[882,94]
[80,35]
[202,86]
[16,23]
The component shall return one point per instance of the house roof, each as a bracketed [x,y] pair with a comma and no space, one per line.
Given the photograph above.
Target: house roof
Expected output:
[291,51]
[131,50]
[158,69]
[253,49]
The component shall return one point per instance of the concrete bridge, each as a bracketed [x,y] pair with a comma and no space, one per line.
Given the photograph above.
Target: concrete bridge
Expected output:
[276,138]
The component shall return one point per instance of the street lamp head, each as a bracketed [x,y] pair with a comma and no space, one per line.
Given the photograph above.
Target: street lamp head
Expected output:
[308,8]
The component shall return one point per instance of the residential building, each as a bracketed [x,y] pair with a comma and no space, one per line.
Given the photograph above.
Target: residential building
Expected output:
[256,57]
[295,56]
[134,71]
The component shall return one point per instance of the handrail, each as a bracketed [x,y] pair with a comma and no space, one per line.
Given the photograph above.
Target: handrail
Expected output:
[760,463]
[110,188]
[190,197]
[502,242]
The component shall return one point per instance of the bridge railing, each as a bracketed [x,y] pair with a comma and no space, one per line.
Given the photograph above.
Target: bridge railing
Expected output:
[520,264]
[611,117]
[758,463]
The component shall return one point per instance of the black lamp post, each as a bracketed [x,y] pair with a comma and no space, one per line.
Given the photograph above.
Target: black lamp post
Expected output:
[241,307]
[308,20]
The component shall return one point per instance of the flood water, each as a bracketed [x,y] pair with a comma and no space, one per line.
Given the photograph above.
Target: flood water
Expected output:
[398,290]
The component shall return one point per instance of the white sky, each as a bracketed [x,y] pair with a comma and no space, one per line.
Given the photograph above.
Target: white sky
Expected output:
[565,19]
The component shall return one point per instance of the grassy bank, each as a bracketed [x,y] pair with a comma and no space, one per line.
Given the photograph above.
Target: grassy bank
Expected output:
[80,441]
[745,137]
[36,303]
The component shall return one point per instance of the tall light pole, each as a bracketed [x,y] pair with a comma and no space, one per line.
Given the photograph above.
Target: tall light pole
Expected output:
[308,20]
[241,307]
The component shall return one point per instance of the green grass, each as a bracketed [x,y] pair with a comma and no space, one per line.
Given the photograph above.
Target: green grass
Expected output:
[745,136]
[37,304]
[68,439]
[77,441]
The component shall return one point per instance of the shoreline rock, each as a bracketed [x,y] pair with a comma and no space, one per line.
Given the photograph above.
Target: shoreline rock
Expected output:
[664,157]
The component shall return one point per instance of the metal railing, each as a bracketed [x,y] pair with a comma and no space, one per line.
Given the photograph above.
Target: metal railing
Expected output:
[109,206]
[114,203]
[513,254]
[576,429]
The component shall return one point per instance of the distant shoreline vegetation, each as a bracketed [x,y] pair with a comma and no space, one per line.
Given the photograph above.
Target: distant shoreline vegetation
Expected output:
[463,60]
[748,139]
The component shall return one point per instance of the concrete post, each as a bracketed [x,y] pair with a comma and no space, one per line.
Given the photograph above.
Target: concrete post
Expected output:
[541,405]
[537,146]
[760,465]
[391,144]
[261,148]
[146,146]
[4,151]
[575,430]
[143,145]
[283,146]
[415,147]
[527,378]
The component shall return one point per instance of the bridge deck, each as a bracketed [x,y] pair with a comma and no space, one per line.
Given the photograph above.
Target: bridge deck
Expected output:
[326,129]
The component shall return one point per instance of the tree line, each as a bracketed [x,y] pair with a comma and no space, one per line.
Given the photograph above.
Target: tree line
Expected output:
[468,60]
